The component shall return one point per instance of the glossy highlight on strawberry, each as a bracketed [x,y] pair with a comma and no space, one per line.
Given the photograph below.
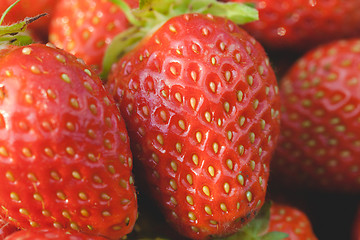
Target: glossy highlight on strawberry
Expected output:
[65,158]
[201,104]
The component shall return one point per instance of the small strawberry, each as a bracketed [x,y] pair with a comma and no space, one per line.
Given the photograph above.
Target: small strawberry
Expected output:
[290,220]
[201,104]
[86,27]
[50,233]
[6,229]
[301,24]
[319,145]
[65,158]
[31,8]
[277,221]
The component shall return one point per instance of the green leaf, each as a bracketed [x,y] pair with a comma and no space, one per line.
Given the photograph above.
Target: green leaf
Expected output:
[121,44]
[257,229]
[15,34]
[275,236]
[238,13]
[143,3]
[260,223]
[19,40]
[127,11]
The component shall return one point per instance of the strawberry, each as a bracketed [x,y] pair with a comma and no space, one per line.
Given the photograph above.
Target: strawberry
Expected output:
[86,27]
[299,25]
[201,104]
[50,233]
[290,220]
[30,8]
[277,221]
[65,158]
[6,228]
[319,145]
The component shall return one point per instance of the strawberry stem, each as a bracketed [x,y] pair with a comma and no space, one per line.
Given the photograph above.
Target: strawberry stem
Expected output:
[151,14]
[127,11]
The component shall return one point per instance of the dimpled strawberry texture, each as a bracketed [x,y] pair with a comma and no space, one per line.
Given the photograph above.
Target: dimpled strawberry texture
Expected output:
[319,144]
[65,158]
[86,27]
[201,104]
[303,24]
[290,220]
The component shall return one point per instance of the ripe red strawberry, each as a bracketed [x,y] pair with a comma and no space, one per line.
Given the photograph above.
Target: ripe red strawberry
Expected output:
[277,221]
[50,233]
[201,104]
[30,8]
[302,24]
[6,228]
[319,146]
[86,27]
[65,158]
[290,220]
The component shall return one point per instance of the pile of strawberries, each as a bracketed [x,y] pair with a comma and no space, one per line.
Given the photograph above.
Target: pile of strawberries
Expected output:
[180,119]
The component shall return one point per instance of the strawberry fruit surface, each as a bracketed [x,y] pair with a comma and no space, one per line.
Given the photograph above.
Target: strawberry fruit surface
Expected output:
[50,233]
[319,145]
[6,228]
[299,25]
[290,220]
[201,104]
[86,27]
[65,158]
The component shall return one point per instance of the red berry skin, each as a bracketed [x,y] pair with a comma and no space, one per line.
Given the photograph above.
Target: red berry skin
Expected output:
[6,229]
[65,158]
[299,25]
[319,144]
[30,8]
[201,104]
[290,220]
[86,27]
[50,233]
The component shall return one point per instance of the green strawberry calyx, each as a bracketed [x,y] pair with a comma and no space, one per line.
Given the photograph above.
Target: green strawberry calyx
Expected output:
[151,14]
[257,229]
[15,34]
